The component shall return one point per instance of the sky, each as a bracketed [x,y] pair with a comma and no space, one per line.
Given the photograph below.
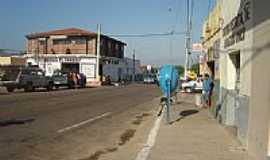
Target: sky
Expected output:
[21,17]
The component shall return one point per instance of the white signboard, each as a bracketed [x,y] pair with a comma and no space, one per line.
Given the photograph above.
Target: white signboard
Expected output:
[89,70]
[148,67]
[70,59]
[197,47]
[88,60]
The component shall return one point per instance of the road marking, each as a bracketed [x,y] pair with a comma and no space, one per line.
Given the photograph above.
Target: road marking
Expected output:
[83,122]
[144,153]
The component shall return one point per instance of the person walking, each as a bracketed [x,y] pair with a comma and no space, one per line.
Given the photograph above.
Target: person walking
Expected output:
[206,90]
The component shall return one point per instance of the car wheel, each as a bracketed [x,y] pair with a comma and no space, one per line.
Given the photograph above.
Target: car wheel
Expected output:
[10,89]
[71,85]
[29,87]
[50,86]
[188,90]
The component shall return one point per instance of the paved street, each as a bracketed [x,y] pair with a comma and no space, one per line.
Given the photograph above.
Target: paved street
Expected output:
[70,124]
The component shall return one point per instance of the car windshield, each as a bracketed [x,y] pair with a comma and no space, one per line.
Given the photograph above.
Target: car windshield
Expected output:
[9,73]
[59,73]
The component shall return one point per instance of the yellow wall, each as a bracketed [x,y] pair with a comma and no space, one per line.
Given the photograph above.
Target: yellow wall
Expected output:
[211,33]
[5,60]
[12,60]
[18,61]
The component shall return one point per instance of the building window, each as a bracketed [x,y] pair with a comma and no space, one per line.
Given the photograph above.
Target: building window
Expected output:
[41,43]
[236,61]
[117,46]
[102,42]
[109,45]
[61,41]
[52,50]
[79,40]
[68,51]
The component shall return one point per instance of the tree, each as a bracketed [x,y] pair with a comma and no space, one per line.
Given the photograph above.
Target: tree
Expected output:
[180,70]
[196,68]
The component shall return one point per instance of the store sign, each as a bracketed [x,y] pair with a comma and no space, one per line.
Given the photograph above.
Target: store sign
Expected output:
[70,59]
[197,47]
[237,27]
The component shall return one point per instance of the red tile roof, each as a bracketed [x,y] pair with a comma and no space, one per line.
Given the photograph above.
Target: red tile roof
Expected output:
[67,32]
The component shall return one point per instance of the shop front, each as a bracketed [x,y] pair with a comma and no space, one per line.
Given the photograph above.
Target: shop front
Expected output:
[237,42]
[68,63]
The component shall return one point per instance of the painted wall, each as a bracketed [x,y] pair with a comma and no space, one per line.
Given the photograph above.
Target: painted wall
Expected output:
[12,60]
[236,98]
[5,60]
[251,105]
[123,70]
[260,91]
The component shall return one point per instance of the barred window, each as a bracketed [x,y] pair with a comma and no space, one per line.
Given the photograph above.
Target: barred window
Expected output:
[61,41]
[79,40]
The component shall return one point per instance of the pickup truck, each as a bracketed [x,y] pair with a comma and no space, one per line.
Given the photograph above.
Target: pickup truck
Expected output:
[27,78]
[192,86]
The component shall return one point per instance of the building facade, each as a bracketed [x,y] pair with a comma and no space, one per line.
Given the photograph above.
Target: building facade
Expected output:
[211,41]
[12,60]
[75,50]
[244,78]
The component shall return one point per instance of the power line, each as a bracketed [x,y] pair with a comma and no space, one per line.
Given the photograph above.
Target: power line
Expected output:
[148,34]
[176,14]
[209,6]
[191,16]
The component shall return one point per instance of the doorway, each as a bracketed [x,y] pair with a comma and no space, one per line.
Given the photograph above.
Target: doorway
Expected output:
[71,67]
[235,59]
[211,68]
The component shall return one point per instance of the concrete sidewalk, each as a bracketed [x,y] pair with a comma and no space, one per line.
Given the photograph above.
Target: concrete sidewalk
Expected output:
[194,135]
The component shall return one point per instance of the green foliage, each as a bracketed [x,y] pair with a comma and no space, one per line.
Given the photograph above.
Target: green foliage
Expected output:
[195,68]
[180,69]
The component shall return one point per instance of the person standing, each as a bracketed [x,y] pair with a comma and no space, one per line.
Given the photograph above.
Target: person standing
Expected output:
[75,79]
[211,92]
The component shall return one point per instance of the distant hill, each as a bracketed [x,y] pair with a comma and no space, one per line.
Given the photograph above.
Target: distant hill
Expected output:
[6,52]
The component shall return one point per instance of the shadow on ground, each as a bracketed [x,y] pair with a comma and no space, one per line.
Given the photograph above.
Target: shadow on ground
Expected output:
[184,114]
[6,123]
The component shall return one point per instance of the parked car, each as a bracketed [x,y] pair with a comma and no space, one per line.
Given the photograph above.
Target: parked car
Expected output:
[149,79]
[27,78]
[60,79]
[192,86]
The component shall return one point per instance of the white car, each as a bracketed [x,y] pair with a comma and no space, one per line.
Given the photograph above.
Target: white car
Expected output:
[149,80]
[192,86]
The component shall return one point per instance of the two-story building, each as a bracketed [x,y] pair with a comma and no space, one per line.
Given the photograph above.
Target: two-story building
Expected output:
[75,50]
[211,41]
[243,72]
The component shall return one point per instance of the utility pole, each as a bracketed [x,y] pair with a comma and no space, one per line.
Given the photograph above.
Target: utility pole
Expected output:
[98,51]
[133,74]
[188,40]
[38,53]
[46,53]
